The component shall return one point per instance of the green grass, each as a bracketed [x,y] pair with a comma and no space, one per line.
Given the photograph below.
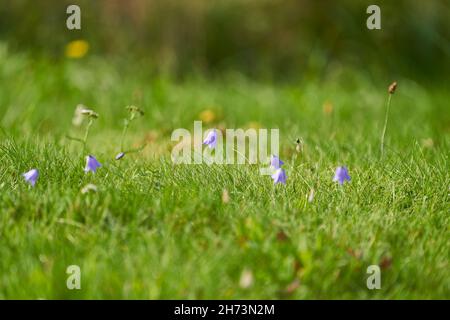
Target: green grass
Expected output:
[156,230]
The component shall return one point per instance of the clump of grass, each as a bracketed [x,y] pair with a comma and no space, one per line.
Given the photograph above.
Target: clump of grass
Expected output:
[170,231]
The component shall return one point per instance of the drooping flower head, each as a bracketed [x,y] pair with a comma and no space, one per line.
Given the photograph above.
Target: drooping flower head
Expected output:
[120,155]
[279,176]
[275,162]
[91,164]
[341,175]
[211,139]
[31,176]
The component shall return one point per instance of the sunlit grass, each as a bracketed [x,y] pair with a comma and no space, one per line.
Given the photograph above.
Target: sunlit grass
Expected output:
[156,230]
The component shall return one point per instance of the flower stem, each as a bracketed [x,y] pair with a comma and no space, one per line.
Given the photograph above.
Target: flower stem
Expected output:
[242,155]
[74,139]
[86,134]
[385,125]
[135,149]
[124,132]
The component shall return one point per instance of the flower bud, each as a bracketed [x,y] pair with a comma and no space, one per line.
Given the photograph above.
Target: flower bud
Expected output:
[392,87]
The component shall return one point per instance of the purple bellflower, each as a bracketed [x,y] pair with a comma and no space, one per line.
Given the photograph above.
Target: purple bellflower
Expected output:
[279,176]
[275,162]
[341,175]
[31,176]
[91,164]
[211,139]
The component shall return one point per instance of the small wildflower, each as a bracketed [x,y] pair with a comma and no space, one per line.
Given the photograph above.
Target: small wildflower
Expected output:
[275,162]
[341,175]
[77,49]
[211,139]
[120,156]
[91,164]
[89,188]
[207,116]
[279,176]
[31,176]
[392,87]
[327,108]
[246,279]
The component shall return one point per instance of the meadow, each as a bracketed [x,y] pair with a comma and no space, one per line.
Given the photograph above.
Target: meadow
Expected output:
[155,230]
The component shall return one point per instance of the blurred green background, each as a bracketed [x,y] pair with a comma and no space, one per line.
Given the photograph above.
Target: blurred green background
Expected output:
[275,39]
[154,230]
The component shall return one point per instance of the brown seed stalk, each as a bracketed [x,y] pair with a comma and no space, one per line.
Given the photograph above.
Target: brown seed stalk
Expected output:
[392,87]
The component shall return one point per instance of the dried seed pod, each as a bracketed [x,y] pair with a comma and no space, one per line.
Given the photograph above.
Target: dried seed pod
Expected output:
[392,87]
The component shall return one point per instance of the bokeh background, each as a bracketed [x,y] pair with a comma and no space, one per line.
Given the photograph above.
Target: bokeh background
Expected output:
[154,230]
[275,39]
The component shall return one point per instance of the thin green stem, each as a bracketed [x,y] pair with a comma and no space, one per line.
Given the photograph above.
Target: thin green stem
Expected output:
[242,155]
[135,149]
[86,134]
[124,132]
[74,139]
[385,124]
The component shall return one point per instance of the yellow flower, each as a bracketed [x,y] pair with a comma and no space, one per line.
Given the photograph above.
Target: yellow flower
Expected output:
[207,116]
[327,107]
[77,49]
[254,125]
